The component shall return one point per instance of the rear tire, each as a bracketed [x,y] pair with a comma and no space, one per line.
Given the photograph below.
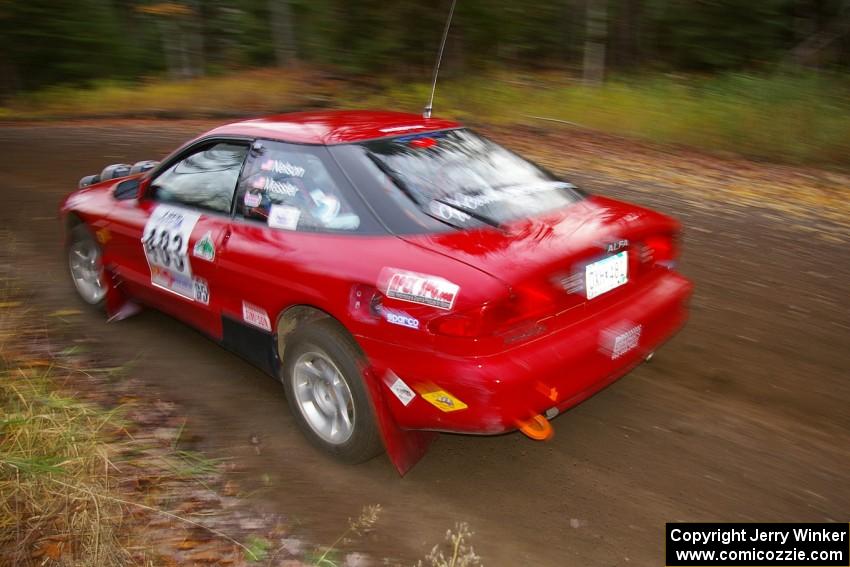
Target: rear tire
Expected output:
[324,387]
[86,269]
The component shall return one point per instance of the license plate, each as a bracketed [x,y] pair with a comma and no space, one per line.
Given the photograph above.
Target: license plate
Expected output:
[606,274]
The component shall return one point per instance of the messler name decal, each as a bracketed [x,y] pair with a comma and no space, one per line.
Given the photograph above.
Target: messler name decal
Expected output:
[282,167]
[419,288]
[277,187]
[165,241]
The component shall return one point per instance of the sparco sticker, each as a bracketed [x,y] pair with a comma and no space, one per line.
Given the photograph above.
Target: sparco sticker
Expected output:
[400,318]
[256,316]
[165,241]
[419,288]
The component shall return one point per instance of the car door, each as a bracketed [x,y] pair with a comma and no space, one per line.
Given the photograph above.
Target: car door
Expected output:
[300,235]
[167,243]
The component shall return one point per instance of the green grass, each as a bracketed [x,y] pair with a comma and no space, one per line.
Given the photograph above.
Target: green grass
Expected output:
[792,118]
[796,119]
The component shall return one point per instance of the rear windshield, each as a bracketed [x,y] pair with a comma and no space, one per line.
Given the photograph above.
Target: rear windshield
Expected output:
[463,179]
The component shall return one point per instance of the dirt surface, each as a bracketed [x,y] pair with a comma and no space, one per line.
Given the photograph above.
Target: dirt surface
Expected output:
[742,417]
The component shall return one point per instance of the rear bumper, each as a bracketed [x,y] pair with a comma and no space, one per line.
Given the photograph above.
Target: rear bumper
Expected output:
[557,370]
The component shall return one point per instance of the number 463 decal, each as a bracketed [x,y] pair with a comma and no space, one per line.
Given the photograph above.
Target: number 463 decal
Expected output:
[166,243]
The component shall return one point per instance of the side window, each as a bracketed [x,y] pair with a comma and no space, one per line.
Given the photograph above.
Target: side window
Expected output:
[290,187]
[206,179]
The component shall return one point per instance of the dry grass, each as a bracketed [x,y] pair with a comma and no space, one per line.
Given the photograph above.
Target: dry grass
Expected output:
[456,550]
[250,92]
[76,486]
[86,486]
[54,466]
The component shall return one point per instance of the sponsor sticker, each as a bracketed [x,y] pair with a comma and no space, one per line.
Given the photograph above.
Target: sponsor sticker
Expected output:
[401,318]
[204,248]
[165,241]
[256,316]
[572,283]
[402,128]
[201,291]
[282,167]
[187,287]
[473,201]
[444,401]
[252,199]
[401,390]
[284,216]
[616,245]
[617,341]
[419,288]
[447,212]
[277,187]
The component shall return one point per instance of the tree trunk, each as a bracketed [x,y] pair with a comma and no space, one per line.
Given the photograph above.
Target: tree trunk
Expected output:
[168,31]
[628,34]
[594,44]
[571,28]
[10,82]
[196,39]
[283,34]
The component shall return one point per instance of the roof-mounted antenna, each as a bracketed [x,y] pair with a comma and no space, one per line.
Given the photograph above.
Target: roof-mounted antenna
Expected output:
[427,112]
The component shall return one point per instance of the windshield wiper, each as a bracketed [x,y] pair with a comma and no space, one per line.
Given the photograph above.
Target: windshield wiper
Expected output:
[395,178]
[389,172]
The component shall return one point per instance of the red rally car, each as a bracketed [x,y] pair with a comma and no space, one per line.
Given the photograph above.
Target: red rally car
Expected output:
[400,275]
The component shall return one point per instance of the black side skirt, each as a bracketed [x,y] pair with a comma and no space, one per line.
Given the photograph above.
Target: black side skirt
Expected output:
[254,345]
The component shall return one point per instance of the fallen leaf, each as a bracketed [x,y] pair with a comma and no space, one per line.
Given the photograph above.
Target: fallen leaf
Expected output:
[53,550]
[65,312]
[206,556]
[188,544]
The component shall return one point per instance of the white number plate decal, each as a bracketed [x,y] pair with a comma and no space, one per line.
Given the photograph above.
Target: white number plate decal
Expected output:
[617,341]
[166,243]
[606,274]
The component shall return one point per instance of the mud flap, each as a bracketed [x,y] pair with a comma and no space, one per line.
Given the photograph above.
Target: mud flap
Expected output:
[404,447]
[118,306]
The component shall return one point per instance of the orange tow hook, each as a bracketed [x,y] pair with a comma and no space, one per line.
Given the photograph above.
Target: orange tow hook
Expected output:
[537,428]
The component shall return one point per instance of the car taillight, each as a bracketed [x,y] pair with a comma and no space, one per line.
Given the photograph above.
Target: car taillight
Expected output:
[661,251]
[491,318]
[457,325]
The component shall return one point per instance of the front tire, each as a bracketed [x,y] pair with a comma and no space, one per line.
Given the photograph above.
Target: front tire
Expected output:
[324,387]
[85,265]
